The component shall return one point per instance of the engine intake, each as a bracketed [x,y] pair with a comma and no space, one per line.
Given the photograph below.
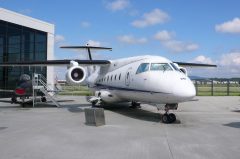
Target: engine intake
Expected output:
[76,75]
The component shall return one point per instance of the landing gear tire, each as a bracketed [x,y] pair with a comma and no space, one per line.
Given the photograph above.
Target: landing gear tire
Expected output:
[94,104]
[165,118]
[43,99]
[168,118]
[172,117]
[14,100]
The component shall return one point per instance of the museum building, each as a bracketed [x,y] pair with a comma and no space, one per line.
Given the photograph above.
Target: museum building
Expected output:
[23,38]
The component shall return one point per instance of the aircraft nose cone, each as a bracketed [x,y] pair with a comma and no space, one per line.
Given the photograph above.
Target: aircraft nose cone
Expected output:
[184,90]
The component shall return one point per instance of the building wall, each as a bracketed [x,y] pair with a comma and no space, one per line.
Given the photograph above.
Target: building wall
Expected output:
[40,51]
[50,56]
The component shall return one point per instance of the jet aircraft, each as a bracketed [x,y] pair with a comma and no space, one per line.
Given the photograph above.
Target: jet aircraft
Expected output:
[142,79]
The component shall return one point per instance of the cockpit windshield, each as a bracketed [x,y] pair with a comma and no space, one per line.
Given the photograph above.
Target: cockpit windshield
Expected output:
[160,67]
[143,68]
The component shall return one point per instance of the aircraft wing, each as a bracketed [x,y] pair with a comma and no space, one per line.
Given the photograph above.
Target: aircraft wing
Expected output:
[55,63]
[186,64]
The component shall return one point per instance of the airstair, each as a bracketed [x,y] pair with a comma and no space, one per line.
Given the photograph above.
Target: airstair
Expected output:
[40,84]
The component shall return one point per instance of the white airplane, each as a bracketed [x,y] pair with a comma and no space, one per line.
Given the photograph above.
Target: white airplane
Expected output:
[142,79]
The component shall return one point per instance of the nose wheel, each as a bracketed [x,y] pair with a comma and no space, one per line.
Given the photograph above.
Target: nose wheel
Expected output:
[169,117]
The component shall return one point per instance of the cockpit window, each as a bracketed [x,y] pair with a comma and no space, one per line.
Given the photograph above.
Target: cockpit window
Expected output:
[160,67]
[143,68]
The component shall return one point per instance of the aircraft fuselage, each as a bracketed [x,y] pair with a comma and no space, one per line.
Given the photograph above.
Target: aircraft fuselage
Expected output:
[158,81]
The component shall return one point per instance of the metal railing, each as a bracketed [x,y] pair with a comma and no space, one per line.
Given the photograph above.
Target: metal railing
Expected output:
[39,83]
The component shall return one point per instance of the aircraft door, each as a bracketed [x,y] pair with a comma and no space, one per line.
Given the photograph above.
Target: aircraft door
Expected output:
[128,77]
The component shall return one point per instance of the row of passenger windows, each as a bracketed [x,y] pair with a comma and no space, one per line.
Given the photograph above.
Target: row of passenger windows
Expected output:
[143,68]
[156,67]
[110,78]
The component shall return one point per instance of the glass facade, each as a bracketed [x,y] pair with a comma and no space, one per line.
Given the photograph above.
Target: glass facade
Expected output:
[19,43]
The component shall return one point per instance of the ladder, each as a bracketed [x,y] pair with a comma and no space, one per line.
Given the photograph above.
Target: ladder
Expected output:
[39,83]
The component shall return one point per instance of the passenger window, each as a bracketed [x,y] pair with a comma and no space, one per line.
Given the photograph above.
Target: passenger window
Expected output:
[115,77]
[160,67]
[111,78]
[107,78]
[143,68]
[119,76]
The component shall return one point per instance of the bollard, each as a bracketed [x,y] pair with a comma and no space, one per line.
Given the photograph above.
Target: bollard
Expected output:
[94,116]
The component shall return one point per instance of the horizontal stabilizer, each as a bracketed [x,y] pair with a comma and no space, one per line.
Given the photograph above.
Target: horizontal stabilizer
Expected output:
[86,47]
[186,64]
[55,63]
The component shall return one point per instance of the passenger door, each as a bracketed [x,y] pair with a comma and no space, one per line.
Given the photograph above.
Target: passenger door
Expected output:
[128,77]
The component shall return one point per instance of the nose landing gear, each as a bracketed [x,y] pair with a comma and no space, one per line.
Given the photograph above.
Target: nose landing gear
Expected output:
[169,117]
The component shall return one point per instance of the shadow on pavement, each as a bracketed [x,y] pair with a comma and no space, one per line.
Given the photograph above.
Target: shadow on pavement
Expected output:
[233,124]
[76,108]
[137,113]
[237,111]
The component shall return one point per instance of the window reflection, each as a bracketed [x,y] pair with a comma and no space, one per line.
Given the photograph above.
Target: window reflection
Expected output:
[19,43]
[160,67]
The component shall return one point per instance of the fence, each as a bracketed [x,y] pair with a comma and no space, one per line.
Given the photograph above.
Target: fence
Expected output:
[217,88]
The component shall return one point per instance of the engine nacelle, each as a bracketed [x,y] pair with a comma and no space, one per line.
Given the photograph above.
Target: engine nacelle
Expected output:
[76,75]
[184,70]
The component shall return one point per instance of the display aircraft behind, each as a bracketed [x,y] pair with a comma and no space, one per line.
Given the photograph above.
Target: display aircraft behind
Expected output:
[23,90]
[141,79]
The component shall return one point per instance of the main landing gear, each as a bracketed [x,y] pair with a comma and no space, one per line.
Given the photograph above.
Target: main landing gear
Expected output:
[169,117]
[13,100]
[135,105]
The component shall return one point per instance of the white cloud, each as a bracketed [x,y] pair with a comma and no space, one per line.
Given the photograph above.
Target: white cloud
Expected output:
[59,38]
[93,43]
[167,40]
[85,24]
[179,46]
[129,39]
[117,5]
[163,35]
[203,59]
[230,59]
[228,66]
[229,26]
[154,17]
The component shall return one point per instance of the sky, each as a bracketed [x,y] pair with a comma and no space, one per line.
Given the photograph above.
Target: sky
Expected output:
[180,30]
